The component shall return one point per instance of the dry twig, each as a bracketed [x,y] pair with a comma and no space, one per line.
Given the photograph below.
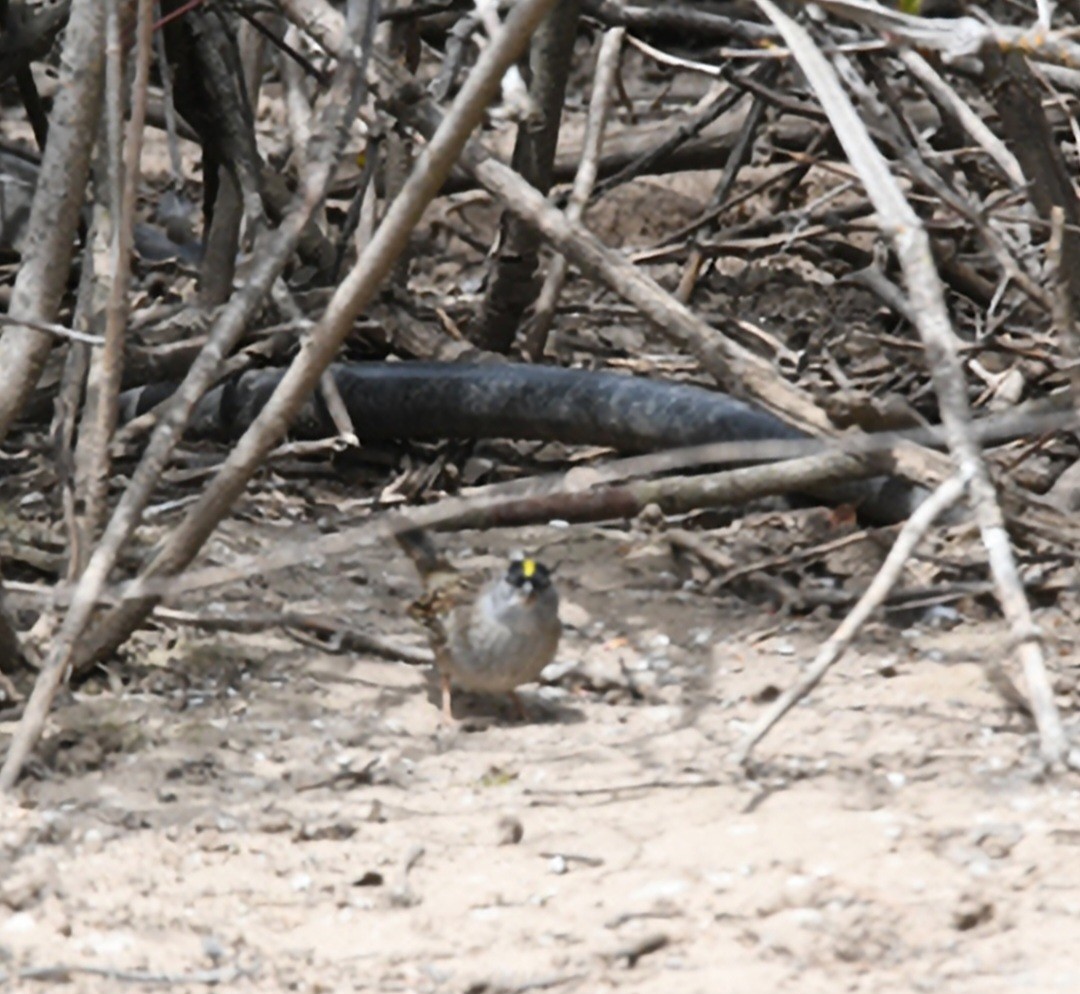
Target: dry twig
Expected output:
[910,535]
[607,65]
[54,217]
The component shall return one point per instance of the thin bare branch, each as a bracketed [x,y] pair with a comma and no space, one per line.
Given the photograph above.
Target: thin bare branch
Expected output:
[607,65]
[58,198]
[947,494]
[106,365]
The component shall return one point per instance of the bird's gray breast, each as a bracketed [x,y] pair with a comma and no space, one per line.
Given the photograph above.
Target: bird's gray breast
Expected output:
[504,642]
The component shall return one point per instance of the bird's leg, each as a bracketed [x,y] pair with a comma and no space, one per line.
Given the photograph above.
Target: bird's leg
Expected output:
[519,706]
[447,701]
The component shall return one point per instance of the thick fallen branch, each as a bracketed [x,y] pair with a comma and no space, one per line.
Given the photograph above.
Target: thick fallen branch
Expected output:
[504,505]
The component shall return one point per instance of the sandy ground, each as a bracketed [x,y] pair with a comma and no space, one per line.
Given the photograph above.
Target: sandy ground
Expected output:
[270,816]
[258,814]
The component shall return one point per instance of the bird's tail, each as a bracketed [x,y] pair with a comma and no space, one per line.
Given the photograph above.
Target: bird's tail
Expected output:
[422,551]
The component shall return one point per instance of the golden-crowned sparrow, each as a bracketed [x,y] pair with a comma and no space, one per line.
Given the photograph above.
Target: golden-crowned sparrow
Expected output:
[487,636]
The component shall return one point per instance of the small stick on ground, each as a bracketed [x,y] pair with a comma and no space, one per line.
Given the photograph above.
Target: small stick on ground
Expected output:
[916,527]
[66,972]
[1063,313]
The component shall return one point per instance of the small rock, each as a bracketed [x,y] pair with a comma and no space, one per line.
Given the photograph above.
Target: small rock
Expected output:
[24,889]
[660,893]
[107,945]
[998,840]
[57,827]
[942,616]
[651,516]
[213,948]
[573,615]
[92,841]
[887,667]
[510,831]
[21,921]
[971,911]
[766,695]
[336,831]
[801,890]
[301,882]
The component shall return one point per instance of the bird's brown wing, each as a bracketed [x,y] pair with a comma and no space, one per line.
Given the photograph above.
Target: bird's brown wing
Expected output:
[432,609]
